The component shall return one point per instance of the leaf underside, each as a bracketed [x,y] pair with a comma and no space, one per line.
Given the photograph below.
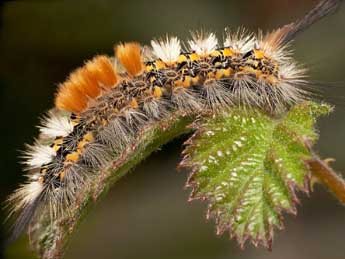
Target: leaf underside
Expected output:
[249,167]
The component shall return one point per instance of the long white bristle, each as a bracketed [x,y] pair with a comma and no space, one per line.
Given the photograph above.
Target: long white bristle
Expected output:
[56,126]
[25,194]
[167,50]
[241,40]
[203,44]
[38,155]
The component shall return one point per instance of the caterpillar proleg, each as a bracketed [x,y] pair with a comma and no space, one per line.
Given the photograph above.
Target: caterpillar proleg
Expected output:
[103,105]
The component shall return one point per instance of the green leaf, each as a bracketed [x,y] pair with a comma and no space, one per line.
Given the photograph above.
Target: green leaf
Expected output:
[249,166]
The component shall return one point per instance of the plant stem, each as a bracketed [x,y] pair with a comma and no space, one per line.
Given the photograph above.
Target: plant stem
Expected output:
[334,182]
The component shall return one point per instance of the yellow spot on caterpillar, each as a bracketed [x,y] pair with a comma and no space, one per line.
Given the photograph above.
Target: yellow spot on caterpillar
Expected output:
[187,81]
[227,52]
[152,79]
[227,72]
[81,145]
[211,75]
[223,73]
[56,148]
[149,68]
[195,80]
[57,144]
[178,83]
[134,103]
[160,64]
[216,53]
[58,141]
[194,57]
[73,157]
[157,92]
[88,137]
[259,54]
[219,74]
[250,70]
[182,58]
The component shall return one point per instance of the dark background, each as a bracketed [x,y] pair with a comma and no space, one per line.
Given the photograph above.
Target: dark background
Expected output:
[146,215]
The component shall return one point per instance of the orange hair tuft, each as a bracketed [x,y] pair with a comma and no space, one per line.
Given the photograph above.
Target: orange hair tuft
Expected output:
[70,98]
[82,80]
[129,55]
[102,71]
[85,83]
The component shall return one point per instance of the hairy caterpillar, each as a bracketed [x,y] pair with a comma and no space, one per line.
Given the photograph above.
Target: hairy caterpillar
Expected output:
[102,106]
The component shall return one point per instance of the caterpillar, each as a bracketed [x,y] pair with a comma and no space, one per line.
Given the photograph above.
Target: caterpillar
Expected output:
[102,106]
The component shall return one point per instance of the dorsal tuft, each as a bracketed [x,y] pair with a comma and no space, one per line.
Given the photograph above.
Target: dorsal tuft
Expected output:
[86,83]
[129,54]
[203,43]
[168,49]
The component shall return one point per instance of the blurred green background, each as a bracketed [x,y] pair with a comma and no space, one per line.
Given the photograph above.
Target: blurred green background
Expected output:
[146,215]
